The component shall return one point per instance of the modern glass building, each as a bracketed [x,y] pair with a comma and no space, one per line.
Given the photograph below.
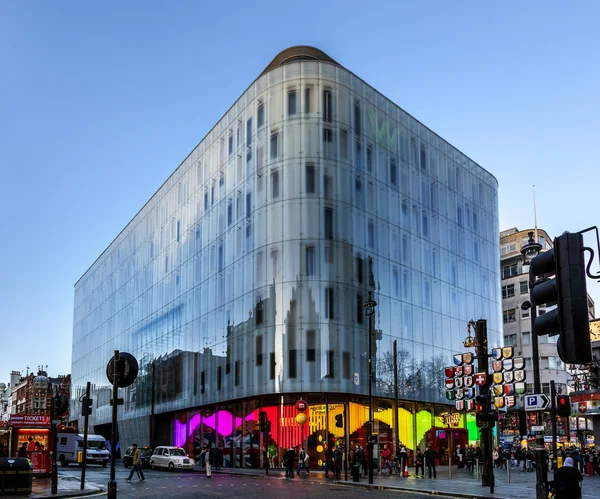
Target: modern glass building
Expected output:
[239,286]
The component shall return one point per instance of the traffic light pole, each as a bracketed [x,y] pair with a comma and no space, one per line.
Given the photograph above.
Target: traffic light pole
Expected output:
[370,462]
[487,476]
[112,483]
[54,471]
[85,433]
[553,416]
[541,470]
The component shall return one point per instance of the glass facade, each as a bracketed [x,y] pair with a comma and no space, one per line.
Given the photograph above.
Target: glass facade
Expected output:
[244,276]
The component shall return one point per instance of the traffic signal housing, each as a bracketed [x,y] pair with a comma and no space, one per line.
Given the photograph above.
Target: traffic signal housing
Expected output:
[563,406]
[86,406]
[484,417]
[568,290]
[61,404]
[339,421]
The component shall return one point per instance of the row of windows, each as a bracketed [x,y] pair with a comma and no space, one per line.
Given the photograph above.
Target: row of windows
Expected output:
[509,290]
[511,246]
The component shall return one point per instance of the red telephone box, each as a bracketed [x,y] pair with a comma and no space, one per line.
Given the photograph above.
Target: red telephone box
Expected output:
[33,433]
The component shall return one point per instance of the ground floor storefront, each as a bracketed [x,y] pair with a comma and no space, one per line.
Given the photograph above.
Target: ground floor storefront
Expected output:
[234,428]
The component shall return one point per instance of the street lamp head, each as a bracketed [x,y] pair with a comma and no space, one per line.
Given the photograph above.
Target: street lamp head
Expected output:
[370,304]
[531,249]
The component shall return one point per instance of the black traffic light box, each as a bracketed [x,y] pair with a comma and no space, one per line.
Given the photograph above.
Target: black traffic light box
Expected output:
[86,406]
[485,416]
[339,421]
[563,406]
[568,289]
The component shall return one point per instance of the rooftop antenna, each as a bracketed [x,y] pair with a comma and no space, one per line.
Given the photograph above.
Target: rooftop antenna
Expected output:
[535,216]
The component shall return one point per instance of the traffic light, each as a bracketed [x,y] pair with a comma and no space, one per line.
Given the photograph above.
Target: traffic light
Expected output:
[563,406]
[568,289]
[61,404]
[484,416]
[339,421]
[86,406]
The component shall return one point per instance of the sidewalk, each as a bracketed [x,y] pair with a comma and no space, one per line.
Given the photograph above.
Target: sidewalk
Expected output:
[68,486]
[462,484]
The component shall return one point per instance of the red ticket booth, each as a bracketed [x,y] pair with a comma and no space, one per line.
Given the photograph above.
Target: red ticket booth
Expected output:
[34,433]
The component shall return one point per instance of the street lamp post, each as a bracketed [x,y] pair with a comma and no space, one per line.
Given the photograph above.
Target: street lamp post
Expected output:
[370,305]
[529,252]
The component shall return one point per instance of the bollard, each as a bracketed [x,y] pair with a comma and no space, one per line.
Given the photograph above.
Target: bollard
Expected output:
[508,472]
[477,468]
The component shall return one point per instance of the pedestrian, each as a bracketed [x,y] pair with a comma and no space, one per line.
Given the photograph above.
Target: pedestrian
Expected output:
[22,452]
[386,455]
[137,464]
[208,460]
[337,462]
[328,460]
[567,481]
[302,461]
[402,456]
[430,456]
[420,463]
[470,459]
[288,462]
[360,457]
[459,456]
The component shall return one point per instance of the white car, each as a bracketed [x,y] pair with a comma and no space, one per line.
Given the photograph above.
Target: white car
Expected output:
[171,458]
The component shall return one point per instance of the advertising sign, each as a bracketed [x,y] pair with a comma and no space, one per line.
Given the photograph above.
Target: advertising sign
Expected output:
[29,421]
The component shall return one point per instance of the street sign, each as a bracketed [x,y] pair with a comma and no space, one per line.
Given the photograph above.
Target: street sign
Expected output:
[537,428]
[536,402]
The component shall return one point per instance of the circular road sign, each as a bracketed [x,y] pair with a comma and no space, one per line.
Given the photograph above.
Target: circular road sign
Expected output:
[127,370]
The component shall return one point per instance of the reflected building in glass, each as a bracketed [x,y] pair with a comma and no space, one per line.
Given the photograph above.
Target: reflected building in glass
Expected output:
[239,286]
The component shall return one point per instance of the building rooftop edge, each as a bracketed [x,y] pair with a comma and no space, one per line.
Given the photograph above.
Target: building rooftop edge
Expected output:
[319,56]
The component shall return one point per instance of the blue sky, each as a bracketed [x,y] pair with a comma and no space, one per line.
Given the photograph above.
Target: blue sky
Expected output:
[100,101]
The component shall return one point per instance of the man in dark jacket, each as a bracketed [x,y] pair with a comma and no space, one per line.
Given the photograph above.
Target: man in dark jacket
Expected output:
[430,456]
[567,480]
[288,461]
[328,460]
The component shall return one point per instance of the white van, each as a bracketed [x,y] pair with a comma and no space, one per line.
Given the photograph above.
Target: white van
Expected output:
[70,444]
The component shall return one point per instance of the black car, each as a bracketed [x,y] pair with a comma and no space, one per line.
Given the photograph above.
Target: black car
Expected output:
[145,453]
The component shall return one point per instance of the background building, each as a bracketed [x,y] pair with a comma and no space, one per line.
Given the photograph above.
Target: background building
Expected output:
[517,323]
[240,285]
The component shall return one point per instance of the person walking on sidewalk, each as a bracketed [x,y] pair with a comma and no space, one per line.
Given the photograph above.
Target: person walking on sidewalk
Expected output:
[328,460]
[302,461]
[430,456]
[420,463]
[337,462]
[137,464]
[208,460]
[567,481]
[288,462]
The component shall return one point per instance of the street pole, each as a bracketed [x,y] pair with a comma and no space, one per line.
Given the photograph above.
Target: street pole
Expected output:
[396,422]
[487,473]
[54,484]
[112,483]
[541,470]
[370,305]
[85,433]
[553,416]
